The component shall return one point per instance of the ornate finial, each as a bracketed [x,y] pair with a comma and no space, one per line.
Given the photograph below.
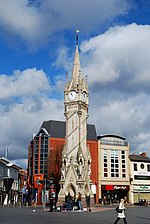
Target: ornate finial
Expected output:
[77,31]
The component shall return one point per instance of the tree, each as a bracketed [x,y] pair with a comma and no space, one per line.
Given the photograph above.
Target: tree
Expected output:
[54,164]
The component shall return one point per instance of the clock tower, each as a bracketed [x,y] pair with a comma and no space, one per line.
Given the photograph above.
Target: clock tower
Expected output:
[76,158]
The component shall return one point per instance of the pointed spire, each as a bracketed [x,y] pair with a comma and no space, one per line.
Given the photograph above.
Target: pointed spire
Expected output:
[76,65]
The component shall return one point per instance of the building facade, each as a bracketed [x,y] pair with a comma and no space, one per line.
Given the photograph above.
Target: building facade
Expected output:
[55,132]
[139,178]
[113,168]
[9,182]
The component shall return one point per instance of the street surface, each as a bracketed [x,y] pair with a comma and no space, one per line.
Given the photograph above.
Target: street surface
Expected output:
[101,215]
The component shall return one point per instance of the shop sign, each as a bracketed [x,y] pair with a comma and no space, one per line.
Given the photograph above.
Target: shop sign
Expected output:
[115,187]
[141,188]
[37,178]
[122,187]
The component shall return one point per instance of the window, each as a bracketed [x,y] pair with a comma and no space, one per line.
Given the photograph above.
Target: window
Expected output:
[135,166]
[142,166]
[148,168]
[114,163]
[123,160]
[41,146]
[105,163]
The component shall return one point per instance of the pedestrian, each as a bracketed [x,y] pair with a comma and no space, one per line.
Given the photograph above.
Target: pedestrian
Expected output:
[69,202]
[79,199]
[104,200]
[121,211]
[88,202]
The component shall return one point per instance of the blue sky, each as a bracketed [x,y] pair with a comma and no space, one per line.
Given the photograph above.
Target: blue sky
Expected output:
[37,44]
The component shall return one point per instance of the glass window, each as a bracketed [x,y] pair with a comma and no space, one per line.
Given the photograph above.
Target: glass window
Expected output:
[105,170]
[105,163]
[114,163]
[135,166]
[123,161]
[148,167]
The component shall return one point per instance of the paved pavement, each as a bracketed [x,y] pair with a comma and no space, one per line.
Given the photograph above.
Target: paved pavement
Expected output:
[99,215]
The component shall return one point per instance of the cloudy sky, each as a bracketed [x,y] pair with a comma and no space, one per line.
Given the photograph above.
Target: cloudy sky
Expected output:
[37,44]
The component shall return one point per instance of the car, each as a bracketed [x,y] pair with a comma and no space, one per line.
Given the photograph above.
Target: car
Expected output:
[141,202]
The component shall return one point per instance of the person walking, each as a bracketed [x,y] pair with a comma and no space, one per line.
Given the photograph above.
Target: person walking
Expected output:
[69,202]
[79,199]
[88,202]
[121,212]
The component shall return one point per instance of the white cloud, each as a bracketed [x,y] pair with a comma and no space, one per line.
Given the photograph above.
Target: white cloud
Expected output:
[23,83]
[120,55]
[20,121]
[17,18]
[35,23]
[25,104]
[123,115]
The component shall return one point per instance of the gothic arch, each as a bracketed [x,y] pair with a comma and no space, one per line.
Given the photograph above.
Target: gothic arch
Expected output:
[71,189]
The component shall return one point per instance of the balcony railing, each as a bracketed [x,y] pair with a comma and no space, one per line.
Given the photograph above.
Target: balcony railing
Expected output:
[113,142]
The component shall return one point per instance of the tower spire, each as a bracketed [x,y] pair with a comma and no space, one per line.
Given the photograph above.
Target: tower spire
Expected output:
[76,64]
[75,170]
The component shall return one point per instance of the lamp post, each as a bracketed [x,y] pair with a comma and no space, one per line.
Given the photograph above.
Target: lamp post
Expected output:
[44,198]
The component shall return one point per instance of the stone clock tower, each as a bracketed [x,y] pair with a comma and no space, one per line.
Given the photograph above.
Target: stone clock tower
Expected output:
[76,158]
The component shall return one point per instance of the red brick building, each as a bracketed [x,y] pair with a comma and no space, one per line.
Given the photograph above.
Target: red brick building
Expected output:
[44,152]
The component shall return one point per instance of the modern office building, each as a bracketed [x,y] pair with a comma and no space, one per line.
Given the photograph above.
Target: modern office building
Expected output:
[113,168]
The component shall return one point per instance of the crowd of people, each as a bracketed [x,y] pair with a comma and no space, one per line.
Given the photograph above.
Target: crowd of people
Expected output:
[76,204]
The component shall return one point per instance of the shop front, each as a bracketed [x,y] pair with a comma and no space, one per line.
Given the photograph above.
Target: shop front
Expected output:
[113,193]
[141,192]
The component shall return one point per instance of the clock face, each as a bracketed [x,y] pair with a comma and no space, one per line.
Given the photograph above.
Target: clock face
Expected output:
[84,96]
[72,95]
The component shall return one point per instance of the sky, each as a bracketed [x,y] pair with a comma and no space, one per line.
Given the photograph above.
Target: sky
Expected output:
[37,46]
